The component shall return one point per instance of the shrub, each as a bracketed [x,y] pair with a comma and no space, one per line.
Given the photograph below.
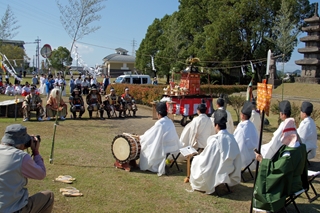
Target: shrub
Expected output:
[295,112]
[236,101]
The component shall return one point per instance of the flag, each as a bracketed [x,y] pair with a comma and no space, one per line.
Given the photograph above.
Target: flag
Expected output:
[243,72]
[249,92]
[152,63]
[252,68]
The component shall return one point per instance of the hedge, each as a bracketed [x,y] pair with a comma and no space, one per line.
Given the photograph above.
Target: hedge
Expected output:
[145,94]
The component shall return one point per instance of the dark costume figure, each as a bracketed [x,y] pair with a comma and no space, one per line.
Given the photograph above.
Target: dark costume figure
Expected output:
[128,102]
[284,174]
[94,102]
[113,103]
[32,102]
[76,103]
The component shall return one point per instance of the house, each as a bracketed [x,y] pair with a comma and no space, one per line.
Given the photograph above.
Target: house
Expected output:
[118,63]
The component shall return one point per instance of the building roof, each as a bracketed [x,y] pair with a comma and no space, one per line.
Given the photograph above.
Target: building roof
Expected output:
[119,58]
[13,42]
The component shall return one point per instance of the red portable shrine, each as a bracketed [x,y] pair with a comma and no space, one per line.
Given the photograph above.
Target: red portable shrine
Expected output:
[184,98]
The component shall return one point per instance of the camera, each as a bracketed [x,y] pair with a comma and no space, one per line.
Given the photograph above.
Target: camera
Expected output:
[28,144]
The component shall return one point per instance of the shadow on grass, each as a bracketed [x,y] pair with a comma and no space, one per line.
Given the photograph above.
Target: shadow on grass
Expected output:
[270,129]
[237,192]
[83,166]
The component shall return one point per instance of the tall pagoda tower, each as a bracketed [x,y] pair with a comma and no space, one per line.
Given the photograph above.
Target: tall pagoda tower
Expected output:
[311,62]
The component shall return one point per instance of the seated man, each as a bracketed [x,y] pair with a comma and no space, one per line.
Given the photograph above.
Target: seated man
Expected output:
[112,103]
[94,102]
[18,89]
[55,105]
[256,118]
[26,89]
[307,129]
[283,175]
[158,141]
[15,169]
[128,102]
[196,132]
[220,105]
[32,102]
[269,149]
[76,103]
[246,136]
[10,90]
[220,161]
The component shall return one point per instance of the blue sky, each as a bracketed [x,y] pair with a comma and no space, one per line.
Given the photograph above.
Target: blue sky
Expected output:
[122,23]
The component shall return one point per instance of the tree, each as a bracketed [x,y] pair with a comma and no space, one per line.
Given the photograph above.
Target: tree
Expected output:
[60,58]
[77,17]
[237,102]
[13,53]
[285,33]
[224,34]
[8,27]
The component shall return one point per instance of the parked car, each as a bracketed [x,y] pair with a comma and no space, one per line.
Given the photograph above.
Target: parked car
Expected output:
[133,79]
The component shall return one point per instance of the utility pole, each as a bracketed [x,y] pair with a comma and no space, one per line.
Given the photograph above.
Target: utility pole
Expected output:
[38,54]
[134,43]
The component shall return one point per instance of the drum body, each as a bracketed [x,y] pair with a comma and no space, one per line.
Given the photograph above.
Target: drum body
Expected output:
[126,147]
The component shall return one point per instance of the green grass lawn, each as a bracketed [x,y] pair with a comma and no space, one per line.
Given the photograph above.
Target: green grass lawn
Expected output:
[83,150]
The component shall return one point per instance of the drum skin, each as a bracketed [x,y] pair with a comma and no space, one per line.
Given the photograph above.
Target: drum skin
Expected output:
[125,148]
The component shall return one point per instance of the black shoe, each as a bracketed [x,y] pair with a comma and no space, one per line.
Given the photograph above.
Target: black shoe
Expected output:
[102,118]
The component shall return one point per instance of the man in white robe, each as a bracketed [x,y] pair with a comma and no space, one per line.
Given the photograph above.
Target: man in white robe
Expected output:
[269,149]
[307,129]
[220,161]
[220,105]
[158,141]
[246,136]
[196,132]
[256,118]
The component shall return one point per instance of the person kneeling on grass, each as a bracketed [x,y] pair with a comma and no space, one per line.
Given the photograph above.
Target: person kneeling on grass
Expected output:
[56,104]
[15,169]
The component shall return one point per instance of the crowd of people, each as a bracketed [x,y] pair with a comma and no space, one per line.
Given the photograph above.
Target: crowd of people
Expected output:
[223,152]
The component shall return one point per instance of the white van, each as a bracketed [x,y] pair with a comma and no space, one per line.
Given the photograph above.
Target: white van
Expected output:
[133,79]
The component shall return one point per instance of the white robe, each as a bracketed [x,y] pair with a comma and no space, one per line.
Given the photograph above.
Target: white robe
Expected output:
[230,126]
[308,133]
[269,149]
[256,120]
[220,162]
[247,138]
[196,132]
[156,142]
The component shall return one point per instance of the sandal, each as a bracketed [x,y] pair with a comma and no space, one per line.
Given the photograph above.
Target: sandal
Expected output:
[69,189]
[65,179]
[72,194]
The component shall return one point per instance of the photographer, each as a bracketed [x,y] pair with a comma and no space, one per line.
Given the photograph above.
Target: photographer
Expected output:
[15,169]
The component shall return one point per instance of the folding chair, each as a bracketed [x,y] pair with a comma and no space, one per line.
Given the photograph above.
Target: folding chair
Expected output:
[174,160]
[228,190]
[307,157]
[291,199]
[249,170]
[311,176]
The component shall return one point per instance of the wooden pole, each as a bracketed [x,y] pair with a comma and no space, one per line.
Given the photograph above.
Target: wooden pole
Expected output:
[259,151]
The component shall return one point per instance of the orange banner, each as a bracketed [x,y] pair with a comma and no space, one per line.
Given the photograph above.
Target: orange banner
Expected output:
[264,94]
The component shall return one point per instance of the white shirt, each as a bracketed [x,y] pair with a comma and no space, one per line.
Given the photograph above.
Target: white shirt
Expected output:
[196,132]
[256,120]
[230,126]
[247,138]
[156,142]
[308,133]
[220,162]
